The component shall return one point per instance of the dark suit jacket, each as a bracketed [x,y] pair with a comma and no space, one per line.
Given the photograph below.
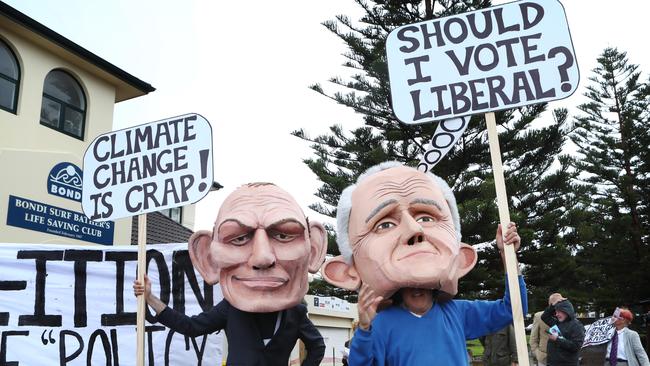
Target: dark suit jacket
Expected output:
[245,345]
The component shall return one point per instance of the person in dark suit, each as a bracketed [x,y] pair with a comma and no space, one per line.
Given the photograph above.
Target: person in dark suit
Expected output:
[260,252]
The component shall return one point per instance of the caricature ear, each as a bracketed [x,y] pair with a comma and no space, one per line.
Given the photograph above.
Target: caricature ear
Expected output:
[466,259]
[318,246]
[339,273]
[201,256]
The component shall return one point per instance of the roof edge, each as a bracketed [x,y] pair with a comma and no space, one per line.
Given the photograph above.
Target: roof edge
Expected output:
[72,47]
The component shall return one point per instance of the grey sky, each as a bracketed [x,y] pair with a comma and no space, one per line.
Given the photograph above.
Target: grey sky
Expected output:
[246,66]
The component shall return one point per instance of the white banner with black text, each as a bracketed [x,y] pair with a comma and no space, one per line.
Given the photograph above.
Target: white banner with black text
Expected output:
[74,305]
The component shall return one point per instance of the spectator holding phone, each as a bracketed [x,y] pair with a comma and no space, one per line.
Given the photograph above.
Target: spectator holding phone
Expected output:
[566,334]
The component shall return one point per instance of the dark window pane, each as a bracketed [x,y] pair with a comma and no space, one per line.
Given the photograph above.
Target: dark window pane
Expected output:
[7,94]
[73,122]
[175,214]
[50,112]
[8,64]
[62,86]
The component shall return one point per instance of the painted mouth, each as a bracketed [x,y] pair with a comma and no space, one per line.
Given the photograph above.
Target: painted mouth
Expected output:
[418,253]
[262,282]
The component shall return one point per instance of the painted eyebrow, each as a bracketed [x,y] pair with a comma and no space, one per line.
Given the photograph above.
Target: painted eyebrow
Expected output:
[427,201]
[380,207]
[235,221]
[284,221]
[273,225]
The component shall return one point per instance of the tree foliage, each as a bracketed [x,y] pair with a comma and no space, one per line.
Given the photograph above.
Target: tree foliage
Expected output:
[543,200]
[611,134]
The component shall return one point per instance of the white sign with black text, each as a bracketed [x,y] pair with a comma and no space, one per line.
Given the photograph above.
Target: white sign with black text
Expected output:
[496,58]
[599,332]
[148,168]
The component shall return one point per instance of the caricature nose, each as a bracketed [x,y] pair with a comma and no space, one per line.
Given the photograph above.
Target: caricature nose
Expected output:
[414,230]
[263,256]
[415,239]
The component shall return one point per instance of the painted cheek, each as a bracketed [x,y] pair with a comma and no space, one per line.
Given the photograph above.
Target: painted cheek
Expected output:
[367,245]
[228,255]
[291,251]
[445,241]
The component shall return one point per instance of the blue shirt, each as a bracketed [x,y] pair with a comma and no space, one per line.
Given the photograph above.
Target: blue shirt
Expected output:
[397,337]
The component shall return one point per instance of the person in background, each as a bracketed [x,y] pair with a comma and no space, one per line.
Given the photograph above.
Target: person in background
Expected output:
[346,350]
[566,334]
[625,349]
[500,348]
[539,336]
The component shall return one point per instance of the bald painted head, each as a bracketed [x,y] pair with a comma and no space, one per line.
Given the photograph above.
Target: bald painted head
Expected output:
[260,250]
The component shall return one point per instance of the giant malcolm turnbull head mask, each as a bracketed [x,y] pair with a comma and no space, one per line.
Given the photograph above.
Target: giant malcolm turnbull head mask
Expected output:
[398,227]
[261,249]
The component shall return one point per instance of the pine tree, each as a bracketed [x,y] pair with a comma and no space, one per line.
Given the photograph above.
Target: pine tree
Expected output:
[542,199]
[612,140]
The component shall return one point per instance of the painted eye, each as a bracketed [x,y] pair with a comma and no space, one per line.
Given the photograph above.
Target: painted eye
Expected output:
[384,225]
[242,239]
[283,237]
[425,219]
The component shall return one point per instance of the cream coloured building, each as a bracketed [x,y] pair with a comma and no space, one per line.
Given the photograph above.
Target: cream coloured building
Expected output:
[334,318]
[55,98]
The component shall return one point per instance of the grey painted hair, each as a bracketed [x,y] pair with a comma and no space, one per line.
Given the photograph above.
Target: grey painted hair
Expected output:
[345,206]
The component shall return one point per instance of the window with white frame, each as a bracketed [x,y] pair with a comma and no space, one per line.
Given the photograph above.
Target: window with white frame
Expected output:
[64,104]
[9,78]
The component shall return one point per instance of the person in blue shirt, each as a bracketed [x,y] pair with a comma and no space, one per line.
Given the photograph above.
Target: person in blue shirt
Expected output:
[399,238]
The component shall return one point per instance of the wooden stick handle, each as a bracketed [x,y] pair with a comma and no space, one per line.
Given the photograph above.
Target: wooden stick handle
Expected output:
[510,255]
[142,267]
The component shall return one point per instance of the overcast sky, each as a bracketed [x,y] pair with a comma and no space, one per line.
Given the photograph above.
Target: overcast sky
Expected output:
[246,67]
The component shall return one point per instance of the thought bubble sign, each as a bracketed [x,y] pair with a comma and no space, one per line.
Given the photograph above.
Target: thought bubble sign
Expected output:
[443,140]
[486,60]
[147,168]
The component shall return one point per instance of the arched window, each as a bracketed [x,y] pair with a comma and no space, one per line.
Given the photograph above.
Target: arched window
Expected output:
[9,78]
[64,104]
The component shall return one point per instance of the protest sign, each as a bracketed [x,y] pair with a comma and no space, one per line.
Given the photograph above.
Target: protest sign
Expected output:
[444,138]
[71,306]
[486,60]
[491,59]
[147,168]
[599,332]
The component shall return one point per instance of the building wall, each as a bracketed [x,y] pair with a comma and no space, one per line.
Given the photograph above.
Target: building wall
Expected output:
[189,218]
[335,325]
[29,150]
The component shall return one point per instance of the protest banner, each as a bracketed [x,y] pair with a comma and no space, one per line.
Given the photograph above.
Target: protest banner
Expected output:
[482,61]
[599,332]
[147,168]
[70,306]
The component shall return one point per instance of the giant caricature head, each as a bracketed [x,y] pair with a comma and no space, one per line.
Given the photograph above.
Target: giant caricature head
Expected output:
[398,227]
[260,250]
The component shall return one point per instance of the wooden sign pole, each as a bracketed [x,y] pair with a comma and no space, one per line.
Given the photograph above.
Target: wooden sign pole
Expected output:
[510,255]
[142,268]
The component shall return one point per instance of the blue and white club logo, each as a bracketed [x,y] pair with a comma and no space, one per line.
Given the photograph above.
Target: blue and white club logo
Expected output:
[65,180]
